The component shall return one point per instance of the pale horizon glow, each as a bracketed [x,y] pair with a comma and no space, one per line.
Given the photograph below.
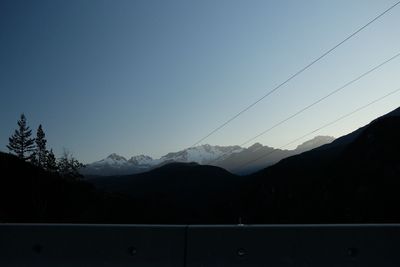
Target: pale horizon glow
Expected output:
[152,77]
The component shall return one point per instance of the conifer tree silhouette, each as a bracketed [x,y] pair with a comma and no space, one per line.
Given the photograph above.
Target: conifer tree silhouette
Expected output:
[39,156]
[51,162]
[21,142]
[68,166]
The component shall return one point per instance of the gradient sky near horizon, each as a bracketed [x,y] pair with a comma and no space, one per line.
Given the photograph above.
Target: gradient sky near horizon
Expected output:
[151,77]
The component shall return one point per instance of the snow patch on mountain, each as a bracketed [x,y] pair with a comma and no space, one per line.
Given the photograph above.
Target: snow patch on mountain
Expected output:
[203,154]
[111,160]
[228,157]
[142,160]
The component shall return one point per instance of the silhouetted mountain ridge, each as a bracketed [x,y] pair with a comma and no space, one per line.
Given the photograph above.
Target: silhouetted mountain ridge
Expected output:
[353,179]
[231,158]
[180,193]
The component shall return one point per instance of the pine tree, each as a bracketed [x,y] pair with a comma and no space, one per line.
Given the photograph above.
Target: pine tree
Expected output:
[69,167]
[39,157]
[21,142]
[51,162]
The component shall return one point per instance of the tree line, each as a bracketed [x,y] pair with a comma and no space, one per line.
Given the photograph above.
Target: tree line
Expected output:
[34,150]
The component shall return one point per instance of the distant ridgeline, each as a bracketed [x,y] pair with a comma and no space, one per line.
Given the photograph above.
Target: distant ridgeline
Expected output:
[354,179]
[231,158]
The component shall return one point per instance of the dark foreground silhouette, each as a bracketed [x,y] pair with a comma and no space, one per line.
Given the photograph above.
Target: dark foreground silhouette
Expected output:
[29,194]
[355,179]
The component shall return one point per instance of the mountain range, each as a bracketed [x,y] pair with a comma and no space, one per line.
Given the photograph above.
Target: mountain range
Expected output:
[235,159]
[354,179]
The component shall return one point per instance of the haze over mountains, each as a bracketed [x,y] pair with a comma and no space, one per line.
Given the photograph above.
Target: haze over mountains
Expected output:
[232,158]
[354,179]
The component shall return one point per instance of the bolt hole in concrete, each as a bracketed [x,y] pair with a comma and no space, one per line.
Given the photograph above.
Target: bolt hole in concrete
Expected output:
[352,252]
[241,252]
[132,251]
[37,248]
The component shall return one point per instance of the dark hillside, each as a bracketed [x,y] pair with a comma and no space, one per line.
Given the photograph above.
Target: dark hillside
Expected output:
[355,179]
[357,182]
[181,193]
[29,195]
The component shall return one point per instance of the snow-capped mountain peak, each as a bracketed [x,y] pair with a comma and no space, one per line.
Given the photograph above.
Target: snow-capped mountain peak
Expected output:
[141,160]
[112,160]
[116,157]
[201,154]
[204,154]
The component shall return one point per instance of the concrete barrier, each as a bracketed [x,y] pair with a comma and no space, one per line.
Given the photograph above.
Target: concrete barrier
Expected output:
[225,245]
[91,245]
[294,246]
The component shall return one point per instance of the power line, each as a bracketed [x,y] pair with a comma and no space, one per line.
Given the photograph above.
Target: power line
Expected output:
[322,127]
[295,74]
[322,98]
[316,102]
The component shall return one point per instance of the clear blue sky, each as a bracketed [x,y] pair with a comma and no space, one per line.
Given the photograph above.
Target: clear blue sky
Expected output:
[150,77]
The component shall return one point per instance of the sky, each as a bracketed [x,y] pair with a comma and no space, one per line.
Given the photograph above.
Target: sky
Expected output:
[152,77]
